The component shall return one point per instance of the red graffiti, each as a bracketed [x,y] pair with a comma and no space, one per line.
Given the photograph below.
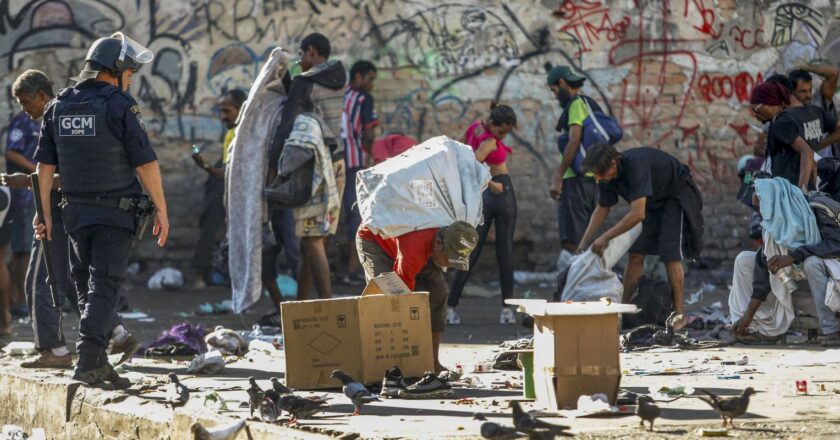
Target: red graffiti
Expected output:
[707,15]
[590,22]
[716,87]
[748,39]
[743,133]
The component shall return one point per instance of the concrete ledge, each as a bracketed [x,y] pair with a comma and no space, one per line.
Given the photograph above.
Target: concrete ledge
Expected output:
[69,410]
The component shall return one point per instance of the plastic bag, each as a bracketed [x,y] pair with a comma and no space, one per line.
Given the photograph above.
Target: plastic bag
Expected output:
[832,299]
[166,278]
[431,185]
[591,277]
[207,363]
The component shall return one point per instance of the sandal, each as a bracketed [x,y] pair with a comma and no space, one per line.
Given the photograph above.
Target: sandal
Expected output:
[831,340]
[758,339]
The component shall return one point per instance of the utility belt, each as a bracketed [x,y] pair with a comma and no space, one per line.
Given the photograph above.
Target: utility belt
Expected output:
[141,206]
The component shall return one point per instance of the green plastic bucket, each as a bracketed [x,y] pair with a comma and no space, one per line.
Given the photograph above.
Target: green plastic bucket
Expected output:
[527,361]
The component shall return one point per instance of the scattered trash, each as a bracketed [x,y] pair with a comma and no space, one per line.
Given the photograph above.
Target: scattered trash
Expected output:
[523,277]
[133,269]
[482,367]
[594,405]
[729,377]
[287,285]
[262,346]
[214,401]
[220,308]
[19,348]
[695,297]
[227,341]
[211,362]
[743,361]
[134,314]
[465,401]
[713,432]
[670,391]
[167,278]
[181,340]
[801,387]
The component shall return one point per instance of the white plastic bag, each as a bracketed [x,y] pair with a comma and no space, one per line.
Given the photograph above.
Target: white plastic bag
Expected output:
[166,278]
[431,185]
[590,275]
[211,362]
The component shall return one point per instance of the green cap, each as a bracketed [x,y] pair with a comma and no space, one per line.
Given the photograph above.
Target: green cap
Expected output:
[565,73]
[459,239]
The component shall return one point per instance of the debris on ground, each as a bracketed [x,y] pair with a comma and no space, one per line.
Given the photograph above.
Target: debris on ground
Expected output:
[20,348]
[220,308]
[211,362]
[167,278]
[183,339]
[227,341]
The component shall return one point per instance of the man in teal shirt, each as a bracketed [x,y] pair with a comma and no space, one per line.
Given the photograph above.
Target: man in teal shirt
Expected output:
[576,194]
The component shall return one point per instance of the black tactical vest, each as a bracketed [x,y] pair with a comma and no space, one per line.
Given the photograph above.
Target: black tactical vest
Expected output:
[90,158]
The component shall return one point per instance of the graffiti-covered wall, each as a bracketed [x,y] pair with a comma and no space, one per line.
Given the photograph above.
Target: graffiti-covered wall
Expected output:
[677,74]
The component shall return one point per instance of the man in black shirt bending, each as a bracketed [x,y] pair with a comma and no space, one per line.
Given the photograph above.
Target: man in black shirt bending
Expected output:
[662,197]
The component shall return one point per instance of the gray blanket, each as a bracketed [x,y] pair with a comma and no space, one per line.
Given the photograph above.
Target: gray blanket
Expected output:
[245,179]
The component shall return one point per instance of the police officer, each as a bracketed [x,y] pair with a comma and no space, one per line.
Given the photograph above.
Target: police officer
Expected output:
[94,134]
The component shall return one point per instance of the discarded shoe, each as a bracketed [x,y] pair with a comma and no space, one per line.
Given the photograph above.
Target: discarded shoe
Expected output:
[393,383]
[429,386]
[49,360]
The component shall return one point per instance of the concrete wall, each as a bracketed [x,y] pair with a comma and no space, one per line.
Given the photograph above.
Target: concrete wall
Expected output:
[677,74]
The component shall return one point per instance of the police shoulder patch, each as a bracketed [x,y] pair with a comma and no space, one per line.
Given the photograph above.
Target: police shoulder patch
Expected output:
[136,110]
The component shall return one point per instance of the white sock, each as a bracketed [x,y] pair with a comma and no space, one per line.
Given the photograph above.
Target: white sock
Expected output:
[60,351]
[119,334]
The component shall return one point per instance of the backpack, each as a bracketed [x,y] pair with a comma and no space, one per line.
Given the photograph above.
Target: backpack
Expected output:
[598,128]
[823,202]
[292,187]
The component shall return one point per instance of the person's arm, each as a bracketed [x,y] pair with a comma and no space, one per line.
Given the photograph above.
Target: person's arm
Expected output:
[806,162]
[834,135]
[369,123]
[761,289]
[149,174]
[218,173]
[488,146]
[599,216]
[45,182]
[760,145]
[635,216]
[17,159]
[368,138]
[577,114]
[829,74]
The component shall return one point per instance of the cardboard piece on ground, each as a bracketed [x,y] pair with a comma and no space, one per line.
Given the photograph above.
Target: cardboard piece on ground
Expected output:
[576,350]
[363,336]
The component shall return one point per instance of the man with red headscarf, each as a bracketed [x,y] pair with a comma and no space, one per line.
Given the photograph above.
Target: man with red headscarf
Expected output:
[794,135]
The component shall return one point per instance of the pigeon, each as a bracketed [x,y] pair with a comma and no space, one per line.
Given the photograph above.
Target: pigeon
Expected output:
[279,387]
[226,432]
[300,407]
[255,395]
[728,407]
[269,410]
[495,431]
[356,392]
[535,428]
[176,394]
[646,410]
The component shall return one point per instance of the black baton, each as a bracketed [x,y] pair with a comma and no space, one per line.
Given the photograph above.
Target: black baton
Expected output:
[45,244]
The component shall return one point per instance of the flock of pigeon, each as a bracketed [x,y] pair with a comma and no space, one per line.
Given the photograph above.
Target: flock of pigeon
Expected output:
[271,403]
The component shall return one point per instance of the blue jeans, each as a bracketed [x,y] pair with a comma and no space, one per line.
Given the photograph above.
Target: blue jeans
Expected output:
[818,280]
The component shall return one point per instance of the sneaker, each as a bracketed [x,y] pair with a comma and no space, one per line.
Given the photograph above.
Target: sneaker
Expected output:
[507,316]
[452,317]
[429,386]
[49,360]
[393,383]
[126,345]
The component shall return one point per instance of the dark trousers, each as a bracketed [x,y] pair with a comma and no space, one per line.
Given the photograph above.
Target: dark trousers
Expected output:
[46,319]
[349,209]
[284,238]
[501,210]
[210,224]
[98,263]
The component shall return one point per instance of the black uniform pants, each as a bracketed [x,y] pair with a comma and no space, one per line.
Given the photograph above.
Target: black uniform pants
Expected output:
[98,264]
[501,209]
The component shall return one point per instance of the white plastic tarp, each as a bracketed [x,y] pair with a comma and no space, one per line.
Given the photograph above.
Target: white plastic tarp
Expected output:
[590,275]
[431,185]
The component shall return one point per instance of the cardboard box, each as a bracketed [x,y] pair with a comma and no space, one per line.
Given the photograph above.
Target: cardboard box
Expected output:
[576,350]
[363,336]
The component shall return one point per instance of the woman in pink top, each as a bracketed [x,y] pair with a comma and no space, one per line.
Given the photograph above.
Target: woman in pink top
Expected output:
[485,137]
